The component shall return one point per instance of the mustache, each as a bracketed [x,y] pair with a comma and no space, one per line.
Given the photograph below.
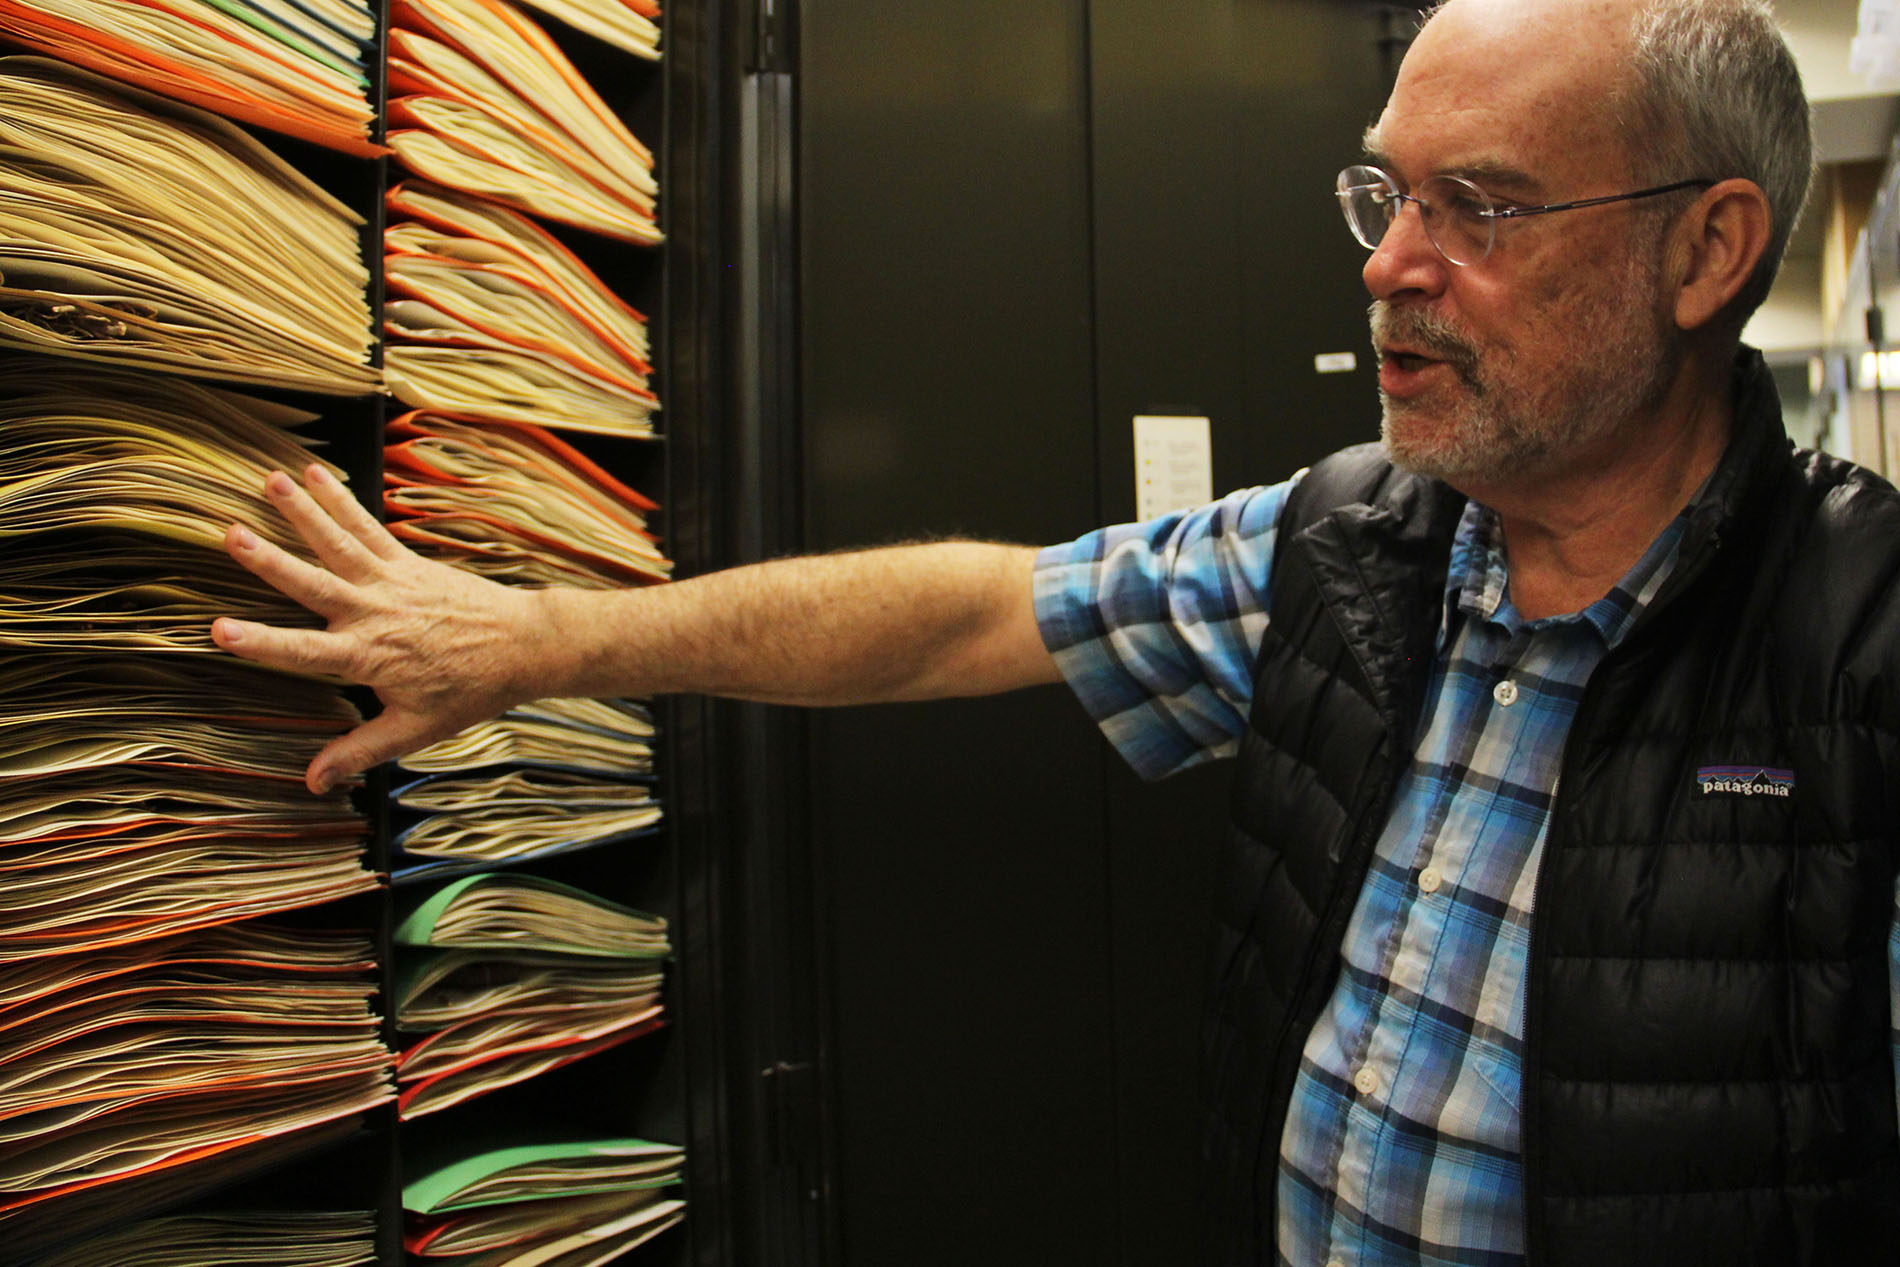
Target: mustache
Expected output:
[1423,331]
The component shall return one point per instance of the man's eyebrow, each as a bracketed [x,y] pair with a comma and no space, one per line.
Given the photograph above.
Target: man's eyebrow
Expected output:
[1491,175]
[1369,142]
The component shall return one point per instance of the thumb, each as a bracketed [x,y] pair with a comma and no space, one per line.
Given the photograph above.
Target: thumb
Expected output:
[384,737]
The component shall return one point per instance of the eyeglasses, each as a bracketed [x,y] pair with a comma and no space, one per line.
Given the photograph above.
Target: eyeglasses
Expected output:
[1460,218]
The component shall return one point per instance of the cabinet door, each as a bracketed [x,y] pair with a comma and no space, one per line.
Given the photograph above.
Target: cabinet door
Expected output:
[1222,269]
[947,379]
[1019,225]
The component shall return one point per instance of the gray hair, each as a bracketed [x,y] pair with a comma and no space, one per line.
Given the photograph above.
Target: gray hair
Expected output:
[1717,94]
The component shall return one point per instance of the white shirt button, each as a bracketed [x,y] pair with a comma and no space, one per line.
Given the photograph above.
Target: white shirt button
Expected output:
[1429,879]
[1366,1080]
[1505,692]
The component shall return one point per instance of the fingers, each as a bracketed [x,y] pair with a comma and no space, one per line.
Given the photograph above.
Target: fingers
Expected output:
[384,737]
[296,650]
[315,588]
[339,548]
[352,590]
[351,515]
[374,592]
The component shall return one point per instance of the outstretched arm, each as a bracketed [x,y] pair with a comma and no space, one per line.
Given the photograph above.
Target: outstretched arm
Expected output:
[444,649]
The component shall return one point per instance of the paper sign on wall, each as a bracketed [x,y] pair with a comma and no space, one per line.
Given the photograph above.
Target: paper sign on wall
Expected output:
[1174,464]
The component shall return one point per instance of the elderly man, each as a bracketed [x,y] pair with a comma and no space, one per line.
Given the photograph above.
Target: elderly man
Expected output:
[1557,912]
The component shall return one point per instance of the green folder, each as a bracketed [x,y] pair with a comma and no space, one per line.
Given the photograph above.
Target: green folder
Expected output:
[527,1172]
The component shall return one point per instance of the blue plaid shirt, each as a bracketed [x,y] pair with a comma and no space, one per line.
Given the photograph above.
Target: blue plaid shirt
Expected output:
[1401,1142]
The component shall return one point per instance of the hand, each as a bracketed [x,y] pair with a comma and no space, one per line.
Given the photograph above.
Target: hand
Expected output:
[442,649]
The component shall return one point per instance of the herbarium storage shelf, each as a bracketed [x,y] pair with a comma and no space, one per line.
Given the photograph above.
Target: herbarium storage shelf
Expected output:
[458,1012]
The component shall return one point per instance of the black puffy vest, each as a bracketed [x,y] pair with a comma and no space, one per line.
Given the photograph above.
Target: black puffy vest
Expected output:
[1708,1075]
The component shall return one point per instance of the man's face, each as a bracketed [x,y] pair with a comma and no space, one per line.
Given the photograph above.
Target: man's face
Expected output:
[1545,351]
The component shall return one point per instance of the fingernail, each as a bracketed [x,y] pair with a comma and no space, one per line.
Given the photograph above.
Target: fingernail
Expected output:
[277,482]
[245,538]
[323,781]
[228,631]
[319,475]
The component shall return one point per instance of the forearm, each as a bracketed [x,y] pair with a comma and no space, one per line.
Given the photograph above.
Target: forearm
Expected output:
[444,649]
[901,623]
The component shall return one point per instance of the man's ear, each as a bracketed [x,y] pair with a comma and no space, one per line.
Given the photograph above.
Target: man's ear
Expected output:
[1717,243]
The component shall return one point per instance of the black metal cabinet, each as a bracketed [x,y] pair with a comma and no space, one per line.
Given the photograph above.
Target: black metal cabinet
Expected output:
[1012,227]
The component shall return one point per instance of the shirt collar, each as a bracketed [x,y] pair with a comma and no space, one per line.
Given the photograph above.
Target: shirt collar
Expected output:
[1476,584]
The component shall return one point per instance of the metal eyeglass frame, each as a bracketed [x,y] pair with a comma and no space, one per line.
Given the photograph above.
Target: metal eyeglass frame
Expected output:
[1356,179]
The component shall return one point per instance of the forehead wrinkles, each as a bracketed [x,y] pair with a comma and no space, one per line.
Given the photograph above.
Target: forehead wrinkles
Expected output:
[1537,43]
[1486,87]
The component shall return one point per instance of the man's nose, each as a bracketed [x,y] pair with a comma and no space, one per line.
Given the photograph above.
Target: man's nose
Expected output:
[1405,262]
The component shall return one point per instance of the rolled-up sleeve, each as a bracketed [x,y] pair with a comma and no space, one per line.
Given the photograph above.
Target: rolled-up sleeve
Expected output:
[1156,626]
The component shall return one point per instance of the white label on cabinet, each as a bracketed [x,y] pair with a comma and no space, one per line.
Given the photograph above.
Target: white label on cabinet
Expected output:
[1336,362]
[1174,464]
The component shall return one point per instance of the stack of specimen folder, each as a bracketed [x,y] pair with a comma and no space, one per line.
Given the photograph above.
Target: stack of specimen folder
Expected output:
[140,798]
[571,1202]
[490,105]
[499,336]
[296,66]
[152,1043]
[129,1075]
[151,797]
[155,1039]
[515,504]
[508,976]
[631,26]
[518,815]
[145,789]
[543,779]
[603,737]
[446,223]
[115,491]
[138,232]
[491,317]
[275,1238]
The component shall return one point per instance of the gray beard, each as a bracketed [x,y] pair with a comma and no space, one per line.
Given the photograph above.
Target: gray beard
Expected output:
[1503,430]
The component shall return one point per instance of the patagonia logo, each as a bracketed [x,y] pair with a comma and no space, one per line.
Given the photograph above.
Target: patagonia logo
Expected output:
[1744,780]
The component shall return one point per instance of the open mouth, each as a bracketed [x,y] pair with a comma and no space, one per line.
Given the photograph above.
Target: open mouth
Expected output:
[1410,361]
